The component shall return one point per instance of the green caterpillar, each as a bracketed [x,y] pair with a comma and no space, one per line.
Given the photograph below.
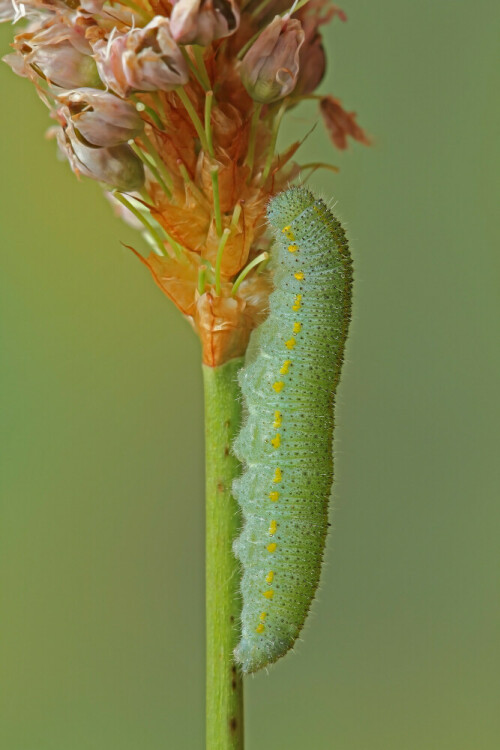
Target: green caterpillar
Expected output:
[288,384]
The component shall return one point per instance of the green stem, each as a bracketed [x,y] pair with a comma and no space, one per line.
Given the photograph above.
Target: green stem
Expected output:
[141,107]
[192,67]
[209,100]
[274,138]
[254,124]
[214,174]
[150,228]
[193,115]
[224,702]
[218,260]
[255,262]
[154,171]
[158,161]
[198,56]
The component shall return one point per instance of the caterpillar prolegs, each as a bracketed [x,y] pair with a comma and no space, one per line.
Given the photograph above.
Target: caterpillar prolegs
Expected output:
[288,384]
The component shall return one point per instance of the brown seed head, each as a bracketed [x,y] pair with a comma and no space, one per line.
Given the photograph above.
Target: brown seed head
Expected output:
[185,138]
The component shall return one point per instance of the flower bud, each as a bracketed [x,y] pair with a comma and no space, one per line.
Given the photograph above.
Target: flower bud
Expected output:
[7,11]
[102,10]
[117,166]
[64,66]
[144,59]
[100,118]
[270,68]
[203,21]
[59,53]
[12,10]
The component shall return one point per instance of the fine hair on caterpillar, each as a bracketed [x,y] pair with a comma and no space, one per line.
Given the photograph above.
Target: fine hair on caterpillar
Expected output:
[288,384]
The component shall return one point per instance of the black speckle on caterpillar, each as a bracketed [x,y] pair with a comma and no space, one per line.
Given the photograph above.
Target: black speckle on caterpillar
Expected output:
[288,385]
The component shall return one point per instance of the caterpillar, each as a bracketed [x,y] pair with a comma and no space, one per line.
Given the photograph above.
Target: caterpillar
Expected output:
[288,385]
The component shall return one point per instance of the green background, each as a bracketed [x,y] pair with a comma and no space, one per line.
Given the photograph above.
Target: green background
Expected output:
[101,532]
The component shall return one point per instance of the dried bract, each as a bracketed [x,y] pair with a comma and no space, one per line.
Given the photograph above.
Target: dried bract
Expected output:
[341,124]
[312,61]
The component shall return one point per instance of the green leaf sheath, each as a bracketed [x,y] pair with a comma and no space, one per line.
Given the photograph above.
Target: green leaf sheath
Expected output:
[224,703]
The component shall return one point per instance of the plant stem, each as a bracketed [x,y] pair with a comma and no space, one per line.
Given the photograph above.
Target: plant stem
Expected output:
[224,702]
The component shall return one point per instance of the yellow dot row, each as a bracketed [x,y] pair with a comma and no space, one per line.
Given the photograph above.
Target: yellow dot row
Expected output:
[276,441]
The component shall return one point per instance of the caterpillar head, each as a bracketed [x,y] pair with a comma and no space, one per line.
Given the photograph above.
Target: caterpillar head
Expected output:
[286,206]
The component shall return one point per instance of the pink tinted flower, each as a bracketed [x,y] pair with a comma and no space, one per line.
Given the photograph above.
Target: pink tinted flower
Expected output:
[270,68]
[7,11]
[117,166]
[15,10]
[101,118]
[58,52]
[203,21]
[144,59]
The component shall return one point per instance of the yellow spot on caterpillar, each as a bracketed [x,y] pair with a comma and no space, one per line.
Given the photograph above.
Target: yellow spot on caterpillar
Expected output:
[287,231]
[277,476]
[272,547]
[274,496]
[297,327]
[292,248]
[284,367]
[272,527]
[269,577]
[299,275]
[260,628]
[297,303]
[268,594]
[290,343]
[275,442]
[278,386]
[263,615]
[277,419]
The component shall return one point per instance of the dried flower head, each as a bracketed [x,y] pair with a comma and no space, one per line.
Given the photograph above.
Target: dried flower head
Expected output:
[203,21]
[100,118]
[175,108]
[117,166]
[144,59]
[56,50]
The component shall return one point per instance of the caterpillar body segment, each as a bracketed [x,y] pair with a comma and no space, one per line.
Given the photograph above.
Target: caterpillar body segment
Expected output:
[285,444]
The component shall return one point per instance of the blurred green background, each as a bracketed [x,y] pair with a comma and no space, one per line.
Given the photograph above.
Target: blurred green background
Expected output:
[101,475]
